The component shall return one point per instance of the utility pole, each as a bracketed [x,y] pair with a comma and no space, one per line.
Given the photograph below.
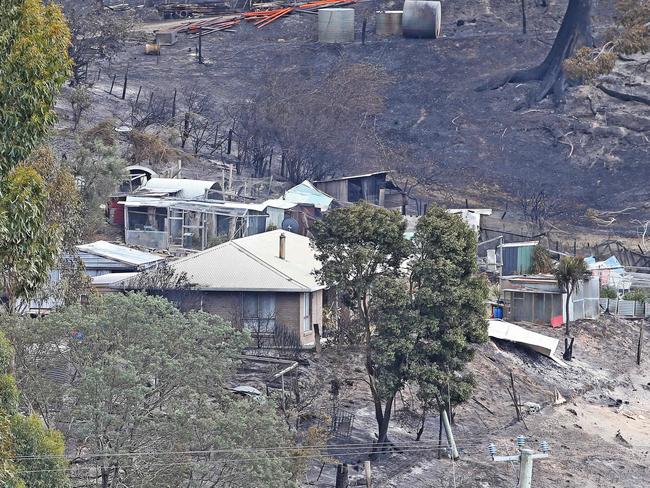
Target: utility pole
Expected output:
[525,459]
[450,435]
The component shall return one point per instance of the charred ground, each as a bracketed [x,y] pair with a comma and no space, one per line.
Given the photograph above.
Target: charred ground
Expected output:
[591,151]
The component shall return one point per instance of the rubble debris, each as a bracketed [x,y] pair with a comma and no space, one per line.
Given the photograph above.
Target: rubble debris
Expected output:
[621,440]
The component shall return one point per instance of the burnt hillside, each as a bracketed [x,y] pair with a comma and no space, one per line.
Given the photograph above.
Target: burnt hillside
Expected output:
[590,152]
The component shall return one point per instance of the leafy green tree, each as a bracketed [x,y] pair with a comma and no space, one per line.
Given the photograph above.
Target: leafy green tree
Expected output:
[637,295]
[358,246]
[449,296]
[34,40]
[31,455]
[98,168]
[420,308]
[571,271]
[63,205]
[137,375]
[28,243]
[608,292]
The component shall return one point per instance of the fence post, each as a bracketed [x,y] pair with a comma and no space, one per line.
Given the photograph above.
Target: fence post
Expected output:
[126,79]
[342,480]
[112,84]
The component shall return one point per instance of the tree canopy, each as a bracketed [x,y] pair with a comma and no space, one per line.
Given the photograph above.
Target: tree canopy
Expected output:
[28,243]
[31,455]
[134,374]
[418,305]
[571,271]
[34,40]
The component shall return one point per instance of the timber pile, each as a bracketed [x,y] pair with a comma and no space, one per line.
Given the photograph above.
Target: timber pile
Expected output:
[265,17]
[260,18]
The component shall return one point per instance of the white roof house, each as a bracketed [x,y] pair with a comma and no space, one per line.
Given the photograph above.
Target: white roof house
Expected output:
[253,264]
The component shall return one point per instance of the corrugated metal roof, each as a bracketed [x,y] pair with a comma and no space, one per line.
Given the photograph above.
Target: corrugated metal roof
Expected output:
[183,188]
[119,253]
[112,278]
[385,172]
[520,244]
[500,329]
[306,192]
[252,264]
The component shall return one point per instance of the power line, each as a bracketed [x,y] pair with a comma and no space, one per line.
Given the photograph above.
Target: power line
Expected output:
[428,445]
[225,461]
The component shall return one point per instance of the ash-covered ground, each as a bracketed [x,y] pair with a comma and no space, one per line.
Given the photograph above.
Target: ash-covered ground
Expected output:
[590,152]
[599,437]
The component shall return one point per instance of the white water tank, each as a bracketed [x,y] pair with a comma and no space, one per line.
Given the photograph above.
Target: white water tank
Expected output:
[336,25]
[388,23]
[421,19]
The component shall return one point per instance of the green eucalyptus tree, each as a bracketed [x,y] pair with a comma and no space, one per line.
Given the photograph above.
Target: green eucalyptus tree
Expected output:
[31,455]
[420,305]
[34,41]
[135,375]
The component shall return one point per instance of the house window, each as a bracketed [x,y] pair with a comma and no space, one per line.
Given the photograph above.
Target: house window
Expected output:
[259,312]
[306,305]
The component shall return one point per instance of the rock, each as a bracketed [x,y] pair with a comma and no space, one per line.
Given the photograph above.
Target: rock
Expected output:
[611,131]
[621,440]
[573,411]
[532,407]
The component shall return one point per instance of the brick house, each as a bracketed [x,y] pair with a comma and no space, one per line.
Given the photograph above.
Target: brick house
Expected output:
[263,282]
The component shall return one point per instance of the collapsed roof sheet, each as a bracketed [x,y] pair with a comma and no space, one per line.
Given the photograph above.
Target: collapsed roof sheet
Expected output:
[122,254]
[500,329]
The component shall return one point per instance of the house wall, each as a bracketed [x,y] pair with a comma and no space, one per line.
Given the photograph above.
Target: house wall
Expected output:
[289,309]
[336,189]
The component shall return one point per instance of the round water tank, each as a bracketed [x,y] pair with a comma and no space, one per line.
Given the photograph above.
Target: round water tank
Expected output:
[421,19]
[336,25]
[388,23]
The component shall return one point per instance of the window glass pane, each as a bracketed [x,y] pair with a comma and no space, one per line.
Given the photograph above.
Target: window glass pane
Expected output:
[266,305]
[307,307]
[250,305]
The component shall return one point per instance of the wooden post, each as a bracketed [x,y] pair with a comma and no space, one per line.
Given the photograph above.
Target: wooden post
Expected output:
[112,84]
[514,397]
[229,142]
[382,197]
[174,105]
[342,476]
[137,98]
[126,79]
[317,338]
[523,16]
[363,30]
[368,473]
[200,45]
[639,349]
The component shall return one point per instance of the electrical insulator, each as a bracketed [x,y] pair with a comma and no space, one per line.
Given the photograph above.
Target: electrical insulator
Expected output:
[543,446]
[492,449]
[521,440]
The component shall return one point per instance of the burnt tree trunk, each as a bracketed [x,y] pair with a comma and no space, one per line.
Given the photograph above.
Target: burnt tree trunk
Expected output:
[575,32]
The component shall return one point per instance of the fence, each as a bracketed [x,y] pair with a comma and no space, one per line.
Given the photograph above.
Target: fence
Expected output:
[625,308]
